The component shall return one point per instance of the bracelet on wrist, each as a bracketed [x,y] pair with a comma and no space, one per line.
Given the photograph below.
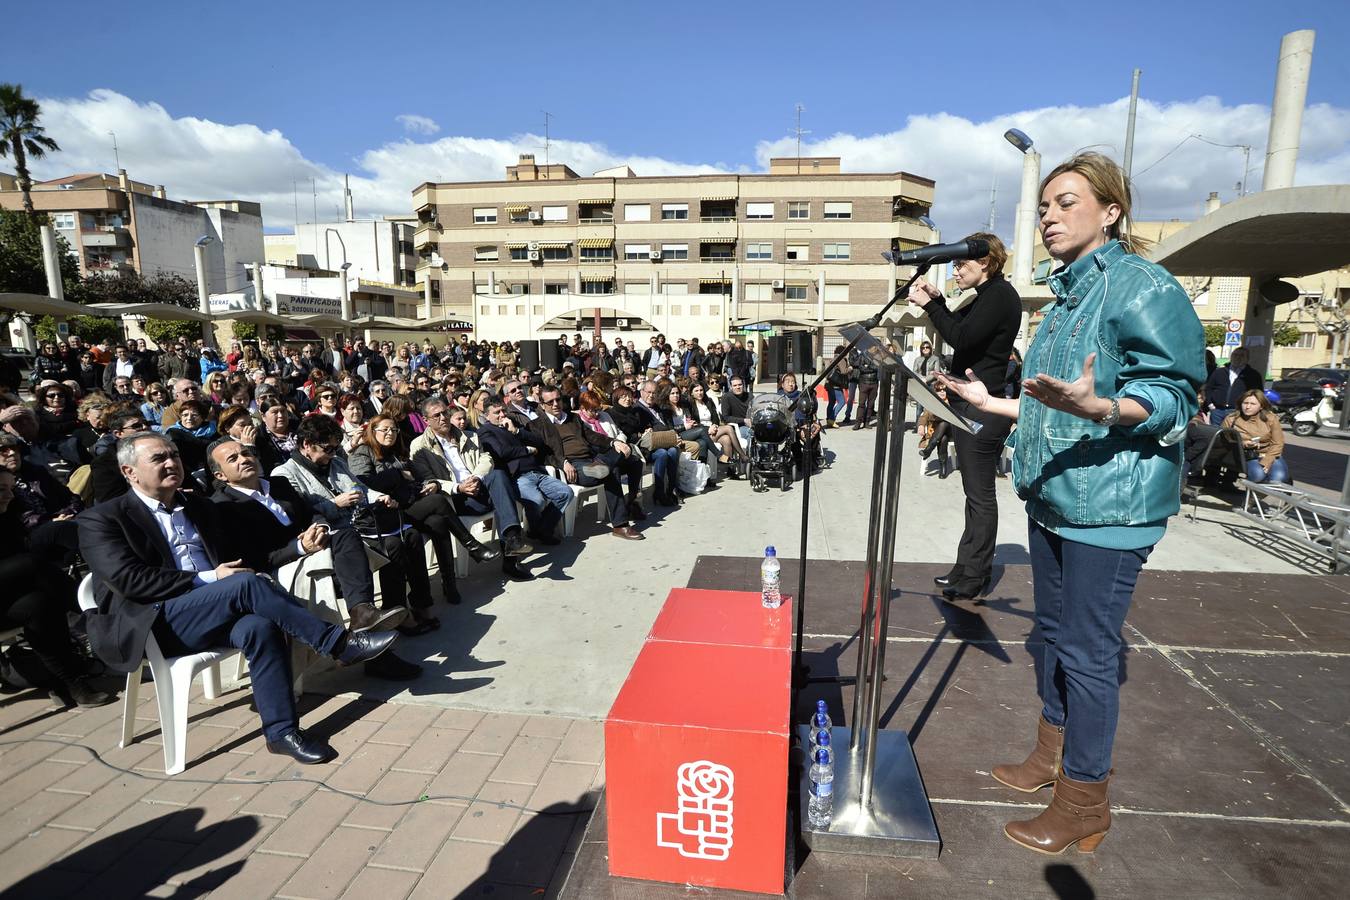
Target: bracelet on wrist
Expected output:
[1112,416]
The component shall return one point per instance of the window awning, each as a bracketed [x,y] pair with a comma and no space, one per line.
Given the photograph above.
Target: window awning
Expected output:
[595,202]
[718,280]
[517,207]
[554,245]
[596,242]
[586,277]
[730,240]
[717,199]
[515,245]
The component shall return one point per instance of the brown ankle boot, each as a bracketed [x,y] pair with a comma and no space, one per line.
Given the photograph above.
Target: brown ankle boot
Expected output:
[1079,813]
[1040,767]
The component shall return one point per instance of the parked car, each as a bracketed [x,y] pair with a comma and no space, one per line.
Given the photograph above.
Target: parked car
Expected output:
[21,358]
[1303,387]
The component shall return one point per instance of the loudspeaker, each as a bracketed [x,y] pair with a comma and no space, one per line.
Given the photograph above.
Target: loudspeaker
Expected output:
[803,360]
[549,355]
[774,361]
[527,355]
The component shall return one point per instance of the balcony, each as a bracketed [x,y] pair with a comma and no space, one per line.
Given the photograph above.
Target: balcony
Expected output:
[596,220]
[717,259]
[105,236]
[719,218]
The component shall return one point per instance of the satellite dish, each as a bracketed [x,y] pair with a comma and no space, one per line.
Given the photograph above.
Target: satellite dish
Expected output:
[1276,292]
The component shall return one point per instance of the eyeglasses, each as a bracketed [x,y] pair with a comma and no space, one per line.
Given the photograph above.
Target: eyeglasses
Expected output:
[386,431]
[553,402]
[438,414]
[56,395]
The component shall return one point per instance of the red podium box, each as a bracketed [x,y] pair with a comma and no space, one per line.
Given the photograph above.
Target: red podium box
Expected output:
[696,746]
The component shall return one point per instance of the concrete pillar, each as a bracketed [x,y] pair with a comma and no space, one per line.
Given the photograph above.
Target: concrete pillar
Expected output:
[1258,325]
[820,297]
[1025,237]
[204,294]
[51,262]
[1286,113]
[426,297]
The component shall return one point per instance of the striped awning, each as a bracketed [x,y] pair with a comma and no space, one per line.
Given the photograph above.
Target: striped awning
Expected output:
[911,199]
[596,242]
[730,240]
[595,202]
[718,280]
[596,277]
[515,245]
[517,207]
[717,199]
[554,245]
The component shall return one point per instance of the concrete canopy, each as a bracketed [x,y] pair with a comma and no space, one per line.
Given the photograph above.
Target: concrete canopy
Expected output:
[1284,233]
[149,310]
[41,305]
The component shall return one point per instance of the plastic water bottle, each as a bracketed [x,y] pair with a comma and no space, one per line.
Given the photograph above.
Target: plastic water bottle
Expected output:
[820,723]
[769,577]
[820,806]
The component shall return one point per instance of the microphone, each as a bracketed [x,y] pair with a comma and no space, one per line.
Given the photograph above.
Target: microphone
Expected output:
[972,248]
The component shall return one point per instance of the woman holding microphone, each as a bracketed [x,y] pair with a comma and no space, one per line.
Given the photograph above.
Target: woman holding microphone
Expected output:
[1110,384]
[981,336]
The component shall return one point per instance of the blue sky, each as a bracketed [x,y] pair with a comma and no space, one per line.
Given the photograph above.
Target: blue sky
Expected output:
[698,85]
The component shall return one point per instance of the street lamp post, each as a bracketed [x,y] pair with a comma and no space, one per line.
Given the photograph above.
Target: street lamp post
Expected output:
[1025,226]
[346,294]
[203,290]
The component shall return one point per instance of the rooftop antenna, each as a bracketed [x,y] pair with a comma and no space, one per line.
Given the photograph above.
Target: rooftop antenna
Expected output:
[117,160]
[800,132]
[993,198]
[547,115]
[295,199]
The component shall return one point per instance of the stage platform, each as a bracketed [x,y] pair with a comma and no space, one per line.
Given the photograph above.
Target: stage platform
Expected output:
[1231,758]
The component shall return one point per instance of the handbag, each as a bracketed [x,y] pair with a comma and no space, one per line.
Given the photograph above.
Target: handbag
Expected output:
[658,440]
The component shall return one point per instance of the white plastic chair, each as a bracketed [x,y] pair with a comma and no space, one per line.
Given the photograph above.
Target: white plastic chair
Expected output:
[173,683]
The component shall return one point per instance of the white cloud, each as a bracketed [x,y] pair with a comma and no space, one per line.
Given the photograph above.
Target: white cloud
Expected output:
[414,124]
[199,159]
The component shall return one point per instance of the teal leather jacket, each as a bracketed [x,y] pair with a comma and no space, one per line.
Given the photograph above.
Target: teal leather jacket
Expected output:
[1150,346]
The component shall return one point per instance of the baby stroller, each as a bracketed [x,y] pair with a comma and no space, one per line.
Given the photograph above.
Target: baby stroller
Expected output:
[773,442]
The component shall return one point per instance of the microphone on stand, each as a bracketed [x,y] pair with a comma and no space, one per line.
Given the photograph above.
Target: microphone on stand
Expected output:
[971,248]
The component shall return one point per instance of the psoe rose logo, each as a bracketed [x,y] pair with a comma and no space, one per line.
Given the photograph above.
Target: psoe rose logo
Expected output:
[701,828]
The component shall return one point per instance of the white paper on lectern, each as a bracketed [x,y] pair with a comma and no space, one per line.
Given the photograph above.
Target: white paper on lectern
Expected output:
[918,388]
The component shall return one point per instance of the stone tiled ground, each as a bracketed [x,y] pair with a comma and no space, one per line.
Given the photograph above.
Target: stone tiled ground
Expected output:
[423,802]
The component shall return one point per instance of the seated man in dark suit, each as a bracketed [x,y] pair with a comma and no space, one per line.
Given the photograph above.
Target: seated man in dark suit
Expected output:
[282,527]
[587,457]
[164,562]
[516,453]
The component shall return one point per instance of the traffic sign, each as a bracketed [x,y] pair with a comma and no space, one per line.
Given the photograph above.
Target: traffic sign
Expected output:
[1233,339]
[1235,326]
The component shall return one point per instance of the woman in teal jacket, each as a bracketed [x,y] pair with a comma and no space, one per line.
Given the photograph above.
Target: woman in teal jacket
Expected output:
[1110,382]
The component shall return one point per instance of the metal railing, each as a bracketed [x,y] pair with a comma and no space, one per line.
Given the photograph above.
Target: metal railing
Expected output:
[717,218]
[596,220]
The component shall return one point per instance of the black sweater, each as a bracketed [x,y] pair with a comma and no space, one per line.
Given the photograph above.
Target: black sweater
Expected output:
[982,332]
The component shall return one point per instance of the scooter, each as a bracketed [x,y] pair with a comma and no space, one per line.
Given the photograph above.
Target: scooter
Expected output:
[1327,412]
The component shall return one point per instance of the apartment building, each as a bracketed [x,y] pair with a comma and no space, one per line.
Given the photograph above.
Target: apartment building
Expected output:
[114,224]
[547,250]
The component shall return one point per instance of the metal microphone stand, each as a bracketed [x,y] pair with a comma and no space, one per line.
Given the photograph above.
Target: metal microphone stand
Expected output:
[806,400]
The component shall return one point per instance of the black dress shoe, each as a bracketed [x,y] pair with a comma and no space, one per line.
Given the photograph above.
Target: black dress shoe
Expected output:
[514,545]
[85,695]
[391,668]
[482,552]
[302,748]
[966,589]
[365,645]
[511,569]
[949,579]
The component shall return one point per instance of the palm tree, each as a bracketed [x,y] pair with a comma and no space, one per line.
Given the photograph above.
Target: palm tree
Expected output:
[22,136]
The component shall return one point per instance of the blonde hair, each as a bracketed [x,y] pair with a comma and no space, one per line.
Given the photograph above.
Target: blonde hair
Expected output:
[1110,186]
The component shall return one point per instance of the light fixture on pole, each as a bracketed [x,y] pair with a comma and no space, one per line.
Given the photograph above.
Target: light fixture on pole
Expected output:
[203,289]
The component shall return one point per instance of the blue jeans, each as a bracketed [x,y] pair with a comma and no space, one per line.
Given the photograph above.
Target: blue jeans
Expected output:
[545,499]
[836,402]
[249,612]
[1278,471]
[665,470]
[1082,596]
[1216,416]
[500,500]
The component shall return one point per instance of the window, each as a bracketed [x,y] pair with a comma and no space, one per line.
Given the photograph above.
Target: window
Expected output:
[65,220]
[638,288]
[637,212]
[555,214]
[520,254]
[1307,340]
[557,287]
[714,309]
[656,309]
[799,209]
[637,251]
[759,210]
[520,289]
[675,289]
[675,310]
[836,251]
[597,287]
[520,310]
[538,310]
[557,253]
[759,251]
[501,310]
[836,293]
[520,215]
[674,251]
[485,215]
[695,310]
[839,209]
[758,293]
[797,252]
[484,310]
[794,292]
[597,254]
[485,254]
[674,211]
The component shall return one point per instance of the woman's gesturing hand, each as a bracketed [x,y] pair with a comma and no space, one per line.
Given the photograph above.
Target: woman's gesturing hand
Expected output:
[972,390]
[1077,397]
